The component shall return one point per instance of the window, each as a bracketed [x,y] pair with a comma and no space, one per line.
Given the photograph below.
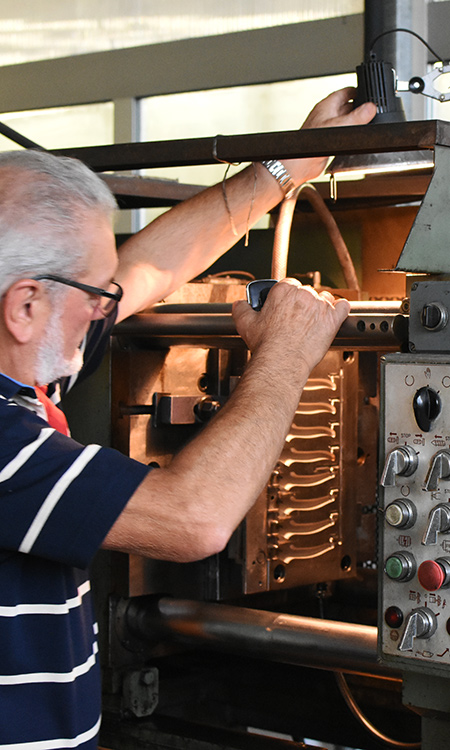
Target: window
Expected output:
[49,29]
[62,127]
[243,109]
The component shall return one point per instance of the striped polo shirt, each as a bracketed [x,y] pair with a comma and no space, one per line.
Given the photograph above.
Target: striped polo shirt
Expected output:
[58,500]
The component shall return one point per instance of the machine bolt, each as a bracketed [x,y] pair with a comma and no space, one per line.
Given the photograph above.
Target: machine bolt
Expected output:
[206,408]
[405,306]
[148,678]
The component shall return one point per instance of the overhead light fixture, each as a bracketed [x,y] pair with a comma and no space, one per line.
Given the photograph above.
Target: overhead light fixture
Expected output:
[377,83]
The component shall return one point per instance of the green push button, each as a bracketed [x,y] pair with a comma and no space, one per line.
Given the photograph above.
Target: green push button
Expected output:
[394,567]
[400,566]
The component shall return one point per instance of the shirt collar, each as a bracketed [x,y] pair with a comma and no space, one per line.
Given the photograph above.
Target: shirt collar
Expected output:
[10,388]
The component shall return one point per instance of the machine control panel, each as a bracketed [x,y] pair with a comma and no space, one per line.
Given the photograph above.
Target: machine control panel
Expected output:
[414,612]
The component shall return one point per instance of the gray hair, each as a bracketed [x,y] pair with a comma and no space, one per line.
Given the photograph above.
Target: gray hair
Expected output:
[43,199]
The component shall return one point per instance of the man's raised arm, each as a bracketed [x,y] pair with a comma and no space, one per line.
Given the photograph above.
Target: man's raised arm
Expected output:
[186,240]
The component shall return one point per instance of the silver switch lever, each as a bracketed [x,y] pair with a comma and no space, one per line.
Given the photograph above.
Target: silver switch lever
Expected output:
[401,461]
[439,469]
[438,521]
[420,623]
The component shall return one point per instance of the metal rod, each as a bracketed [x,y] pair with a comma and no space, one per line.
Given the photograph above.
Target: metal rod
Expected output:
[359,331]
[304,641]
[360,307]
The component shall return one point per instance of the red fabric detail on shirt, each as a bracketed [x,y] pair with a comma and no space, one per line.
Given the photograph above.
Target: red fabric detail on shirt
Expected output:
[55,417]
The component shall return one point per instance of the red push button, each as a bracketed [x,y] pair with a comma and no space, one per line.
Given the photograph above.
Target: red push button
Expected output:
[431,575]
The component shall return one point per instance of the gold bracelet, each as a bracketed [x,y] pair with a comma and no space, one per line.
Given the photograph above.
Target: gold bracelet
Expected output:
[228,209]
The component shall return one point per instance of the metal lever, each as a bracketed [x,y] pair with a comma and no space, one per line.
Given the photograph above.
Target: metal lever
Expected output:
[420,623]
[257,292]
[401,461]
[438,520]
[439,469]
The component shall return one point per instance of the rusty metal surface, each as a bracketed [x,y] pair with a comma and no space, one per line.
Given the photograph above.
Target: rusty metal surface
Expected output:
[139,192]
[406,136]
[380,190]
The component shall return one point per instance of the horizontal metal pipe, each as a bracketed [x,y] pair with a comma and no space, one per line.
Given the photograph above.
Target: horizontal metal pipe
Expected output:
[213,308]
[359,331]
[304,641]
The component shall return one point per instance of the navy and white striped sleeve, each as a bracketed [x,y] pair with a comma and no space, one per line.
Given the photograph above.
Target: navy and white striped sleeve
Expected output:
[58,499]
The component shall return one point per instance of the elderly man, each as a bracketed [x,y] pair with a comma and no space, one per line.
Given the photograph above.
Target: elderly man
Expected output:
[62,289]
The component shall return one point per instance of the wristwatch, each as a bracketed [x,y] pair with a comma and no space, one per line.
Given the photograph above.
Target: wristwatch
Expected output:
[280,173]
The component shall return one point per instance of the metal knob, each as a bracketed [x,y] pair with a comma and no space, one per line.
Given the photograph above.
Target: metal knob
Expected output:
[427,406]
[438,521]
[420,623]
[439,469]
[401,461]
[434,316]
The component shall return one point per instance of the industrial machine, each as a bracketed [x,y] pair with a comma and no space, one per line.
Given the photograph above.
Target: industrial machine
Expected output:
[348,544]
[414,628]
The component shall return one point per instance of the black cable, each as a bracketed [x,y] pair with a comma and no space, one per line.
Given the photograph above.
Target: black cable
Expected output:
[407,31]
[16,137]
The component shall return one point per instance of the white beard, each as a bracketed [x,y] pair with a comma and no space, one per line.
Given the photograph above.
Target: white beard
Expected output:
[51,364]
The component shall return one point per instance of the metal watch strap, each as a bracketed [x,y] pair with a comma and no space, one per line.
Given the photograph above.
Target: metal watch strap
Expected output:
[280,173]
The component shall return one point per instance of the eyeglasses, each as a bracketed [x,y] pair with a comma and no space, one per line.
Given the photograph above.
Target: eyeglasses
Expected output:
[108,300]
